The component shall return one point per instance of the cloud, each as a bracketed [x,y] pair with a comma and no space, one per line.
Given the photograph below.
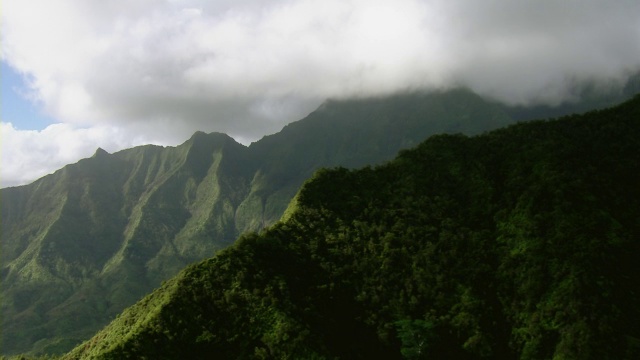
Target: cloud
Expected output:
[170,67]
[527,52]
[28,155]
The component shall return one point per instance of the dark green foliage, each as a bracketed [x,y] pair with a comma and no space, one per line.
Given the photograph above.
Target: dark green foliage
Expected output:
[417,336]
[517,244]
[80,245]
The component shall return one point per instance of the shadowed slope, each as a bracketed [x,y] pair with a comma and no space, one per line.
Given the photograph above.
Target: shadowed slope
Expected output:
[521,243]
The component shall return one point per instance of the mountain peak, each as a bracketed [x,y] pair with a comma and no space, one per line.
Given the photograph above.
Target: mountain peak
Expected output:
[100,152]
[199,136]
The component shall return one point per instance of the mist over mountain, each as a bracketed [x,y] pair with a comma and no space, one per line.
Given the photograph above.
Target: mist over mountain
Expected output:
[586,96]
[85,242]
[61,144]
[521,243]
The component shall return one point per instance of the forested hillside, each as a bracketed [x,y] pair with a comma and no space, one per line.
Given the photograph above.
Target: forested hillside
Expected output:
[522,243]
[80,245]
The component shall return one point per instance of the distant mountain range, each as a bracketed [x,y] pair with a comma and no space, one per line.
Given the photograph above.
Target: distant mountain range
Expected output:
[521,243]
[80,245]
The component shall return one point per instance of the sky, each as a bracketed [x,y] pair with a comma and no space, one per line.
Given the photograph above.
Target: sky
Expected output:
[82,74]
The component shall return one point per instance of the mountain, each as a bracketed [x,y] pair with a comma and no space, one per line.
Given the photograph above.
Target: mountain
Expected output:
[521,243]
[361,132]
[80,245]
[587,96]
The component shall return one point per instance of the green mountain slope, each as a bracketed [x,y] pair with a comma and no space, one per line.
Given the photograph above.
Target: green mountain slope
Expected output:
[356,133]
[517,244]
[83,243]
[80,245]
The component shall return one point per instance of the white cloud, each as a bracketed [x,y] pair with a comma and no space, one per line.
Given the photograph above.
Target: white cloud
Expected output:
[248,67]
[28,154]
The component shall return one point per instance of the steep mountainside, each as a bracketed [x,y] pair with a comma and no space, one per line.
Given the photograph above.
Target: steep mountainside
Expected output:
[83,243]
[517,244]
[357,133]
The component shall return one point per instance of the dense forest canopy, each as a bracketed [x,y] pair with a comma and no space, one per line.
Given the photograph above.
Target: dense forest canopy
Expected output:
[521,243]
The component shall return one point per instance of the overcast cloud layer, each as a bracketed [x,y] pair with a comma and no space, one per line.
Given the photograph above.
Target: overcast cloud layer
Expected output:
[119,73]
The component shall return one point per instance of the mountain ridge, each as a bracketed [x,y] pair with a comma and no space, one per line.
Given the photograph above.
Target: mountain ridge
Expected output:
[83,243]
[93,237]
[515,244]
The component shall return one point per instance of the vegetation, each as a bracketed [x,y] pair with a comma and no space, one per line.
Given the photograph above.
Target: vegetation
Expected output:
[518,244]
[80,245]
